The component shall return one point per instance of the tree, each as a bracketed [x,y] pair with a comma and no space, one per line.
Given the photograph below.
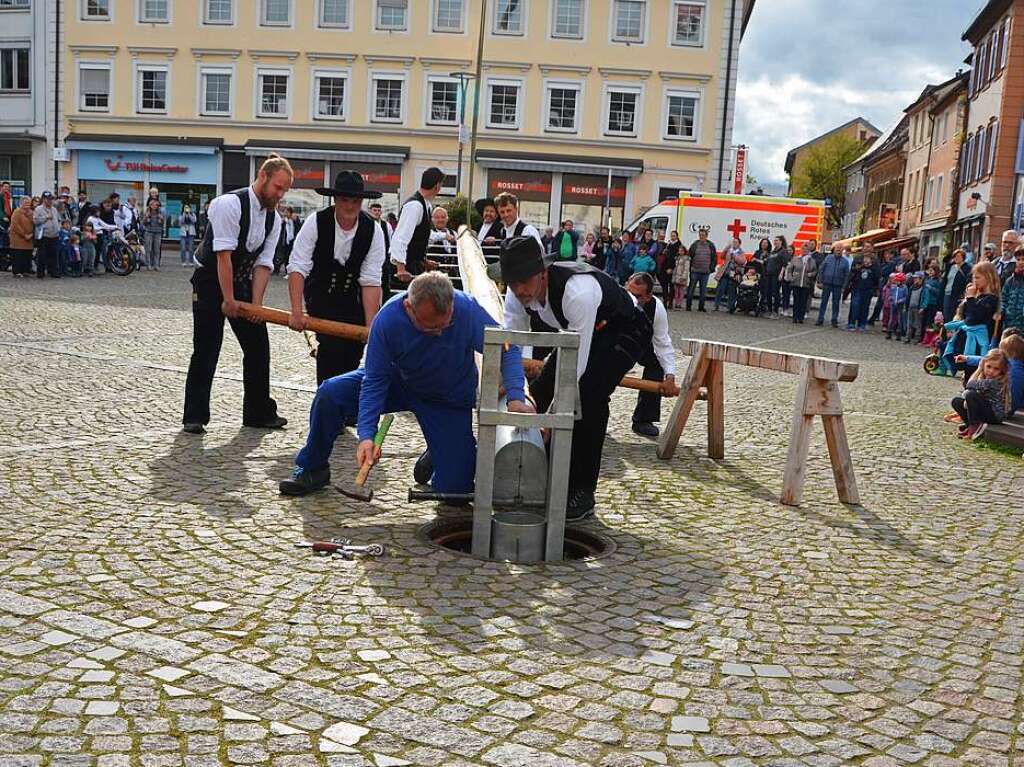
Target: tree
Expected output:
[820,174]
[456,208]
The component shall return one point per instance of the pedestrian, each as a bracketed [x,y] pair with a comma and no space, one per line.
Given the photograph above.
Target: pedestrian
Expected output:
[954,282]
[643,261]
[668,256]
[1013,294]
[565,245]
[613,259]
[412,236]
[186,234]
[986,397]
[658,359]
[729,275]
[153,232]
[602,249]
[931,298]
[587,248]
[800,274]
[47,222]
[1006,262]
[22,229]
[863,286]
[630,250]
[833,275]
[886,267]
[899,296]
[88,249]
[912,319]
[787,287]
[774,264]
[548,239]
[64,248]
[680,277]
[703,257]
[376,213]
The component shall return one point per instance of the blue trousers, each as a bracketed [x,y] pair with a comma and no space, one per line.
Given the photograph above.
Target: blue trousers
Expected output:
[835,293]
[447,430]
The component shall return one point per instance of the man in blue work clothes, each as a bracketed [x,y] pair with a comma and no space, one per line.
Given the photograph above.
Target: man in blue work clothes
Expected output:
[419,358]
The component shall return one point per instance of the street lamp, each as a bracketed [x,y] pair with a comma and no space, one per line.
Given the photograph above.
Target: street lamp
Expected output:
[463,78]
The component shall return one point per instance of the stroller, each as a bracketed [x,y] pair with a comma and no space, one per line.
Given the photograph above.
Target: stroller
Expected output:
[748,294]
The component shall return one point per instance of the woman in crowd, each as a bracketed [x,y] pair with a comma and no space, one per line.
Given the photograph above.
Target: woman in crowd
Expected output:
[187,234]
[729,275]
[774,265]
[153,231]
[21,235]
[587,249]
[667,269]
[954,282]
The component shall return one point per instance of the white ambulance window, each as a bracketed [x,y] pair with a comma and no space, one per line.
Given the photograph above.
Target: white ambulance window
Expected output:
[657,224]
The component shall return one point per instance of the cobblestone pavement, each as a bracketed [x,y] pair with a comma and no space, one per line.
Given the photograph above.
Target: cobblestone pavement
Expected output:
[154,611]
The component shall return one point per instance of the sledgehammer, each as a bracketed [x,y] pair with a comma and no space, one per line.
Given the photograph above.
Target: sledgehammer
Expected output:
[359,491]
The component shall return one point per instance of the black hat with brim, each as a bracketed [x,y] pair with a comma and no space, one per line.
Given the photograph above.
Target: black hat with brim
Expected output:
[482,203]
[348,183]
[519,259]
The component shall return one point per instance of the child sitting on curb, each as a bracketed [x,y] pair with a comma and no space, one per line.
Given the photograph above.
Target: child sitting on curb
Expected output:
[986,396]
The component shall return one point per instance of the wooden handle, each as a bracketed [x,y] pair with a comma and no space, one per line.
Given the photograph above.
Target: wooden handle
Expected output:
[327,327]
[364,472]
[533,368]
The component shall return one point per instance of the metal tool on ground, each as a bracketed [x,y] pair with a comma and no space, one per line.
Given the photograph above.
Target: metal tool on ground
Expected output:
[359,491]
[342,547]
[328,327]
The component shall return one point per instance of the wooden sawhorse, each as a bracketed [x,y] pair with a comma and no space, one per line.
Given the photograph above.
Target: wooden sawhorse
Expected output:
[816,395]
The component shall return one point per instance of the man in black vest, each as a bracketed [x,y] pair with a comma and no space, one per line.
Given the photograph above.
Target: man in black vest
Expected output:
[409,245]
[613,332]
[235,257]
[376,213]
[509,224]
[336,264]
[658,360]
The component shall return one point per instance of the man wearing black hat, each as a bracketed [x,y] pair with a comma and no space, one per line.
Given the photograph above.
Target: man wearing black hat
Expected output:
[409,245]
[336,263]
[487,236]
[377,214]
[613,331]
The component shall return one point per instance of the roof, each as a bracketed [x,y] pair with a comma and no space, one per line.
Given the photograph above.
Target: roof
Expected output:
[747,10]
[887,143]
[791,156]
[985,19]
[949,89]
[938,92]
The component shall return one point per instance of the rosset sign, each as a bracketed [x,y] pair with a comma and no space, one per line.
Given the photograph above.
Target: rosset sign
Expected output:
[120,165]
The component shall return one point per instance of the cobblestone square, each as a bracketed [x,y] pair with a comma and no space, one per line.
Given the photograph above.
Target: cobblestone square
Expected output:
[154,610]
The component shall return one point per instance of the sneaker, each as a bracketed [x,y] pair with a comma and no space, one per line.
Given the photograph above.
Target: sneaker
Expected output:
[966,432]
[580,505]
[979,430]
[645,429]
[193,428]
[952,417]
[423,470]
[277,422]
[305,482]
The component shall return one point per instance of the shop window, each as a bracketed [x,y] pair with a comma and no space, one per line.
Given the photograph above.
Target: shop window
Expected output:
[688,26]
[154,11]
[14,70]
[96,10]
[334,13]
[388,94]
[393,15]
[448,15]
[628,24]
[216,91]
[567,19]
[14,5]
[444,102]
[218,11]
[681,115]
[508,17]
[503,105]
[622,112]
[563,108]
[330,92]
[273,94]
[94,87]
[152,89]
[275,13]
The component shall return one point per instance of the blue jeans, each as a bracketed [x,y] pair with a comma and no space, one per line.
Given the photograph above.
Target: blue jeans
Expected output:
[835,293]
[726,291]
[859,307]
[186,248]
[697,279]
[447,430]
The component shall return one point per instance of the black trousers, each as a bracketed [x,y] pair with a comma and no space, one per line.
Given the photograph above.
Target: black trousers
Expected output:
[801,299]
[21,261]
[207,337]
[648,406]
[613,352]
[47,257]
[336,356]
[974,409]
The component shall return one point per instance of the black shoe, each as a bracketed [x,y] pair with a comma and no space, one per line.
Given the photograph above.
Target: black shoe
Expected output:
[818,324]
[835,323]
[424,469]
[580,505]
[277,422]
[645,429]
[702,309]
[305,482]
[194,428]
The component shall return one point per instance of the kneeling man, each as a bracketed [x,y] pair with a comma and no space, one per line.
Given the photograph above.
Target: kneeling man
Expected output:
[419,358]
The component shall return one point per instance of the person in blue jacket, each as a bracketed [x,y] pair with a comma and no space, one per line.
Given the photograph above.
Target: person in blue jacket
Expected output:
[419,358]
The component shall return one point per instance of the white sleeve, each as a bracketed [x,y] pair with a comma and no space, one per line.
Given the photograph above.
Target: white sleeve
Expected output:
[516,317]
[301,259]
[408,220]
[531,231]
[119,218]
[663,348]
[373,264]
[224,214]
[484,229]
[580,304]
[270,244]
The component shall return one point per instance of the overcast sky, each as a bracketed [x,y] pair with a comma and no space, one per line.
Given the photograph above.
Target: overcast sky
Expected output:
[807,66]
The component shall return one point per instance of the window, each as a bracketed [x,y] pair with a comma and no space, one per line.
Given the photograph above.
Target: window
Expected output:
[503,106]
[938,204]
[688,24]
[443,108]
[218,12]
[94,88]
[387,99]
[334,13]
[622,110]
[215,90]
[979,154]
[945,127]
[628,26]
[1005,47]
[447,15]
[508,17]
[273,94]
[392,15]
[993,132]
[13,5]
[563,108]
[329,96]
[96,10]
[993,54]
[567,19]
[154,11]
[965,159]
[14,70]
[681,115]
[275,13]
[152,89]
[928,195]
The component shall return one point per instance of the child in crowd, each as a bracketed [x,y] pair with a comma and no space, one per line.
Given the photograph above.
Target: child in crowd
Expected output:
[629,252]
[895,296]
[681,277]
[912,326]
[863,284]
[643,261]
[1012,345]
[613,262]
[986,396]
[76,256]
[1013,295]
[931,298]
[64,248]
[88,249]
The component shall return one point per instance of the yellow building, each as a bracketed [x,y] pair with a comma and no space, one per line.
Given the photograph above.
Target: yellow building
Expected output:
[188,95]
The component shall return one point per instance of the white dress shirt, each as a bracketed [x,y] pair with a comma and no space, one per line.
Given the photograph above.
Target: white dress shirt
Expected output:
[439,237]
[124,217]
[485,230]
[301,260]
[529,230]
[409,218]
[99,225]
[224,216]
[663,348]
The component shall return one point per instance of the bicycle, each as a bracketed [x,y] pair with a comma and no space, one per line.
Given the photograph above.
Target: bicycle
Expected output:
[123,253]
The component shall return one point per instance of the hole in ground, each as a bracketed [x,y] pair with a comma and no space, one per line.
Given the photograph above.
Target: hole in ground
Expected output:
[457,535]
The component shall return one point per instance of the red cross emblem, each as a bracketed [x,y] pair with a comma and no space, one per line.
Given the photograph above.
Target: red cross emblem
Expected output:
[736,228]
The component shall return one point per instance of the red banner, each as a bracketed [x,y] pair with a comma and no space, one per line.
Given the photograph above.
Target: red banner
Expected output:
[592,190]
[740,171]
[526,185]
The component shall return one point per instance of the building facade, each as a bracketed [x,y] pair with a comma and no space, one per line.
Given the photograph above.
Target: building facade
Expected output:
[858,128]
[588,109]
[948,113]
[990,161]
[855,196]
[915,178]
[884,171]
[28,30]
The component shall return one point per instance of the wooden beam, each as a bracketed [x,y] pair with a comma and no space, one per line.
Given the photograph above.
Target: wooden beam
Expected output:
[693,387]
[716,409]
[799,441]
[327,327]
[783,362]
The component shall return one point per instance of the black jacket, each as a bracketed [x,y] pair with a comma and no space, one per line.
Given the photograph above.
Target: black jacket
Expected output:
[959,283]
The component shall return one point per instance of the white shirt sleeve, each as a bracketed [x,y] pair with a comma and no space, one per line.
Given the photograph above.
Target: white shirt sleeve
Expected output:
[373,264]
[223,215]
[516,317]
[270,245]
[120,218]
[531,231]
[663,348]
[579,305]
[98,224]
[301,259]
[408,220]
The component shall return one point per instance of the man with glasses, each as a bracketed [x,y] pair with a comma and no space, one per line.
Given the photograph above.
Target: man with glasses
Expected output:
[419,359]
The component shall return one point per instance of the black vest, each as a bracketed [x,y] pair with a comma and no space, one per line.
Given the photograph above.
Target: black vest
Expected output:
[242,260]
[616,304]
[517,232]
[332,290]
[416,251]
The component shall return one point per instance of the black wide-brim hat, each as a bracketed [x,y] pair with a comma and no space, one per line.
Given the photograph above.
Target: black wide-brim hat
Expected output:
[518,260]
[482,203]
[348,183]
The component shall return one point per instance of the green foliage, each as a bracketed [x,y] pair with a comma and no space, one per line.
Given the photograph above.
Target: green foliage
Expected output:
[456,208]
[820,174]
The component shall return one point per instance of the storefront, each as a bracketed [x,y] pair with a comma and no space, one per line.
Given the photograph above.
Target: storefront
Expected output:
[969,229]
[590,202]
[533,190]
[931,241]
[16,165]
[183,173]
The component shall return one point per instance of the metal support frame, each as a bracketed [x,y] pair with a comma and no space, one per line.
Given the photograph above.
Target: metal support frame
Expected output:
[560,419]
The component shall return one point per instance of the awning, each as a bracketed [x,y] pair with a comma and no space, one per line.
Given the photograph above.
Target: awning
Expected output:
[873,236]
[899,242]
[302,150]
[163,144]
[589,165]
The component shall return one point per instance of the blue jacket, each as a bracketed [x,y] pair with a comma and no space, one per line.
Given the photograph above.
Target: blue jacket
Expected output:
[643,263]
[438,370]
[931,298]
[834,270]
[1013,303]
